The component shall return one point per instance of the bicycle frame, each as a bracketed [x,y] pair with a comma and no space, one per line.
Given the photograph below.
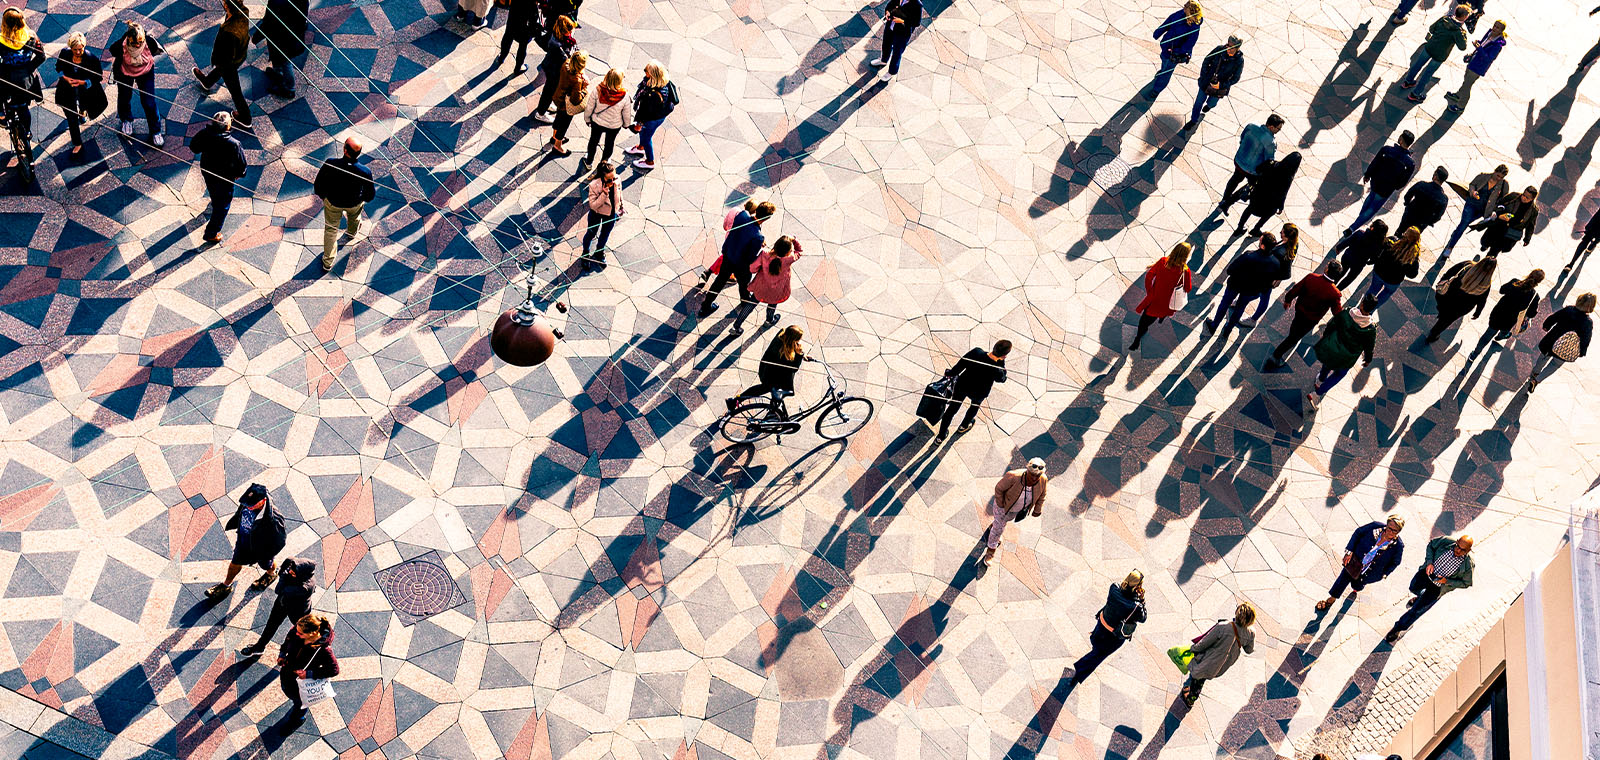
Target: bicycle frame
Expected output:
[828,399]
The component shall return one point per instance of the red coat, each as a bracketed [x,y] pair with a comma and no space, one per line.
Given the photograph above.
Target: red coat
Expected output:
[766,286]
[1159,282]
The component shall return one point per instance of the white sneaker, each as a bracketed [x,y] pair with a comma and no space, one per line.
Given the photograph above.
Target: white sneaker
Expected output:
[634,151]
[544,118]
[127,128]
[880,62]
[643,164]
[883,76]
[159,140]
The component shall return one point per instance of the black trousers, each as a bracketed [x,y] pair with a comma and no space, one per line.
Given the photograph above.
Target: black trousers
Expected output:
[1101,644]
[1447,317]
[230,78]
[221,192]
[1343,582]
[954,406]
[291,688]
[1584,246]
[1427,596]
[71,109]
[547,96]
[1298,329]
[1239,176]
[595,133]
[505,48]
[281,74]
[742,278]
[275,618]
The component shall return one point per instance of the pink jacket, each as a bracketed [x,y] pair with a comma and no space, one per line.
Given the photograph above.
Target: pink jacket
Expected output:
[766,286]
[602,200]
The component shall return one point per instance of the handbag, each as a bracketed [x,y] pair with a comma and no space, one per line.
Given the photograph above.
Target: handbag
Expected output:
[1179,299]
[1522,321]
[92,102]
[582,104]
[1181,656]
[935,398]
[1567,347]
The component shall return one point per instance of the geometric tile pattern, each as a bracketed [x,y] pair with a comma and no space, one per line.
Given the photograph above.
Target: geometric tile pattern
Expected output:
[420,588]
[624,585]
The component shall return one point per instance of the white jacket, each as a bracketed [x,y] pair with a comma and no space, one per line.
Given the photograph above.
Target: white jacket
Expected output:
[615,116]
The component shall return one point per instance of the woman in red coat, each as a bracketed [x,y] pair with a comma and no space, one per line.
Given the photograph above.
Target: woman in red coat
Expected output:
[770,281]
[1161,283]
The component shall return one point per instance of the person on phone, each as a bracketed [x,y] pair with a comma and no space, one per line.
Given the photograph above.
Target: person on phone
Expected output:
[306,653]
[1312,298]
[900,18]
[1113,624]
[605,208]
[1017,493]
[1513,219]
[1177,36]
[133,68]
[1351,335]
[1161,282]
[1218,74]
[1478,61]
[1219,649]
[976,373]
[1445,568]
[1484,189]
[1372,553]
[78,89]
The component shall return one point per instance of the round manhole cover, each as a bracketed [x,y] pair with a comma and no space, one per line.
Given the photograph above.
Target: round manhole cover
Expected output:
[419,588]
[1111,172]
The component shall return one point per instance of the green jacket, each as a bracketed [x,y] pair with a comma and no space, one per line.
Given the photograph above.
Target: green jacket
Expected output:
[1462,577]
[1443,35]
[1344,341]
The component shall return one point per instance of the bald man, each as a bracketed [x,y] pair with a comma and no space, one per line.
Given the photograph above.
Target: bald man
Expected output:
[1446,567]
[345,186]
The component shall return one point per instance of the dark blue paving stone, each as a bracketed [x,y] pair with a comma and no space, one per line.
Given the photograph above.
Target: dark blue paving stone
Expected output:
[124,402]
[338,436]
[153,535]
[122,589]
[88,646]
[441,662]
[18,230]
[409,706]
[32,311]
[43,574]
[124,700]
[120,485]
[24,391]
[92,316]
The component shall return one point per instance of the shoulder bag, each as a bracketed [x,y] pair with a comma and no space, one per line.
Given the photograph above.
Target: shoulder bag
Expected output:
[1567,347]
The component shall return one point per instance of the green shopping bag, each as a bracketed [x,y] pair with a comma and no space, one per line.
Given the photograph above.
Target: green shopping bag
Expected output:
[1181,656]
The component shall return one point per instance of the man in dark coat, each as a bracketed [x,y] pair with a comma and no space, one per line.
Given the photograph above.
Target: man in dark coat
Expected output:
[1389,171]
[739,251]
[296,584]
[1372,553]
[1426,202]
[975,374]
[283,28]
[1218,74]
[900,19]
[221,164]
[1249,275]
[261,536]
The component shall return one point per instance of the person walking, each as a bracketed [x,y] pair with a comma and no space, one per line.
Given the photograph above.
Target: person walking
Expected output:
[260,535]
[1351,334]
[1463,288]
[306,653]
[1287,248]
[605,208]
[21,55]
[522,21]
[78,89]
[283,27]
[976,373]
[1372,553]
[770,275]
[653,102]
[1426,202]
[1163,281]
[1017,492]
[1446,567]
[1591,236]
[1485,189]
[1249,275]
[1361,250]
[1269,192]
[740,249]
[1566,338]
[1113,624]
[476,13]
[779,364]
[1444,35]
[1219,649]
[1397,262]
[1511,315]
[221,165]
[1219,72]
[1389,171]
[1257,145]
[1177,36]
[606,115]
[345,185]
[1513,219]
[296,584]
[900,19]
[228,49]
[133,69]
[1478,61]
[571,99]
[1311,298]
[558,48]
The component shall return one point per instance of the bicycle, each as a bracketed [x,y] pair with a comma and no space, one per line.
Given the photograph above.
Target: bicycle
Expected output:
[21,140]
[755,418]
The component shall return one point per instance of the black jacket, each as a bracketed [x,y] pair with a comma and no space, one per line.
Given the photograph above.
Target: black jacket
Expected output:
[20,69]
[776,371]
[1363,250]
[1513,302]
[1387,265]
[1569,319]
[283,26]
[1272,185]
[294,594]
[976,374]
[1122,611]
[1388,558]
[1593,227]
[90,70]
[221,156]
[1222,68]
[653,103]
[1390,170]
[1425,205]
[556,53]
[522,20]
[1524,216]
[909,12]
[114,53]
[1254,271]
[268,536]
[344,182]
[316,660]
[1454,300]
[231,44]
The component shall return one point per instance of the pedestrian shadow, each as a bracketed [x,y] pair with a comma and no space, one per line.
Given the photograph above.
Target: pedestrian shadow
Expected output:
[1084,161]
[1343,90]
[1376,424]
[1170,723]
[1561,184]
[1031,740]
[1134,441]
[833,44]
[1062,441]
[1480,471]
[1427,437]
[1119,205]
[1542,132]
[1341,186]
[786,156]
[1348,708]
[1262,724]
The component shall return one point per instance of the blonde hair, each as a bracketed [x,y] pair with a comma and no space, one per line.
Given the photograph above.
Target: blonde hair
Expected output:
[1586,303]
[135,32]
[1178,257]
[655,75]
[1192,13]
[577,63]
[78,38]
[1291,239]
[1407,246]
[13,25]
[1134,581]
[613,79]
[1244,614]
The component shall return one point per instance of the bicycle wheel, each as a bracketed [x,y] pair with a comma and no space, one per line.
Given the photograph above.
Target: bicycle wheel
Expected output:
[20,147]
[843,418]
[745,423]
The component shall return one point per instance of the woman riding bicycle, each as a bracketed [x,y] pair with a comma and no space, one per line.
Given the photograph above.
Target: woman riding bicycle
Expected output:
[21,55]
[779,364]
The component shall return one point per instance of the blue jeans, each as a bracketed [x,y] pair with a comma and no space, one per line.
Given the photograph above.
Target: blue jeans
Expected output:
[145,84]
[1163,76]
[1232,304]
[1404,8]
[647,133]
[1422,69]
[1202,101]
[1369,208]
[1469,214]
[1382,288]
[895,39]
[1327,378]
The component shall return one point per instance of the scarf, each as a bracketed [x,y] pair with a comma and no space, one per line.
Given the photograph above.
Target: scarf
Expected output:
[1361,320]
[135,60]
[610,97]
[1476,279]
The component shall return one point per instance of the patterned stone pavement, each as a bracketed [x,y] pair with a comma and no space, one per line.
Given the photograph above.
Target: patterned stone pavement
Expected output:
[625,586]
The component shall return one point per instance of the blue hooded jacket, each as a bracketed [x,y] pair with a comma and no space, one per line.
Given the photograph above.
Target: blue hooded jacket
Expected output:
[1177,36]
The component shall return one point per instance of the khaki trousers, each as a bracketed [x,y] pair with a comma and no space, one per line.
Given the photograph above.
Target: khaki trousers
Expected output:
[331,215]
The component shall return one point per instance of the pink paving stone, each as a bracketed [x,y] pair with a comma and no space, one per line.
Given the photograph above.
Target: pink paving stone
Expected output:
[211,689]
[349,557]
[200,521]
[642,619]
[76,263]
[38,665]
[463,398]
[644,567]
[206,478]
[355,507]
[686,752]
[532,741]
[490,585]
[364,722]
[502,538]
[627,612]
[19,509]
[255,232]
